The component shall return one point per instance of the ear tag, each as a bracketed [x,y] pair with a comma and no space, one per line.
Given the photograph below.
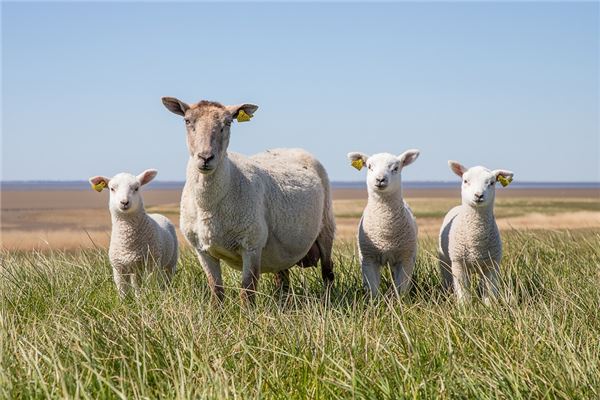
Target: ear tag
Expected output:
[358,164]
[504,181]
[243,117]
[98,187]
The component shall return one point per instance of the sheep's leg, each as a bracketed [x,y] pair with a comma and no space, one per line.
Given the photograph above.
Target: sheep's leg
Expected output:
[135,277]
[250,274]
[488,284]
[212,269]
[325,244]
[461,281]
[371,272]
[402,275]
[122,283]
[282,279]
[446,271]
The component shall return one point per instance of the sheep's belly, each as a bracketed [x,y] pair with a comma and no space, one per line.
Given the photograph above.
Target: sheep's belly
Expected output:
[232,259]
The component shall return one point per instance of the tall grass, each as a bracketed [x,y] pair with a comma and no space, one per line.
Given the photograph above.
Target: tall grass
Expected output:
[64,333]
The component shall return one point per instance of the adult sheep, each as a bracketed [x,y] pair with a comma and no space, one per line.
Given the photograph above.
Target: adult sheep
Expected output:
[264,213]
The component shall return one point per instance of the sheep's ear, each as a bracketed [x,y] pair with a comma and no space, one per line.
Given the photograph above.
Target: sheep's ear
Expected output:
[408,157]
[146,176]
[175,105]
[99,182]
[503,176]
[242,112]
[357,160]
[457,168]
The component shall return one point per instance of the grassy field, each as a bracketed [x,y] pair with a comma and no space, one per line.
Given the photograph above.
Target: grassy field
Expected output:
[65,334]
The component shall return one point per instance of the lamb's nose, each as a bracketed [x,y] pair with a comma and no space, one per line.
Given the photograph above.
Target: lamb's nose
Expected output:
[478,196]
[380,180]
[125,202]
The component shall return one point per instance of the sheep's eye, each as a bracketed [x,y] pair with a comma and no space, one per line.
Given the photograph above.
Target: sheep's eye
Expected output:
[369,166]
[112,189]
[136,189]
[395,169]
[465,181]
[492,183]
[187,121]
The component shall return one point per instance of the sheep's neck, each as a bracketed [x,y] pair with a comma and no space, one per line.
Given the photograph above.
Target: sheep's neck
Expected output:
[480,215]
[128,228]
[212,189]
[391,203]
[391,200]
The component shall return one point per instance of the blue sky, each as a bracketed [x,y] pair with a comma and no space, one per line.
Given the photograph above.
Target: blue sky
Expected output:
[505,85]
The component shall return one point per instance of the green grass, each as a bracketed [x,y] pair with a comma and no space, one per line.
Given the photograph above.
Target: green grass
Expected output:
[65,334]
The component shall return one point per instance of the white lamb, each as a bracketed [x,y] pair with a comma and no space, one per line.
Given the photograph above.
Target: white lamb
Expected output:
[139,242]
[387,232]
[263,213]
[469,237]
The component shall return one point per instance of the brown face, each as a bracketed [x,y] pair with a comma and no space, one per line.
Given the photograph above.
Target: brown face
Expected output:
[208,128]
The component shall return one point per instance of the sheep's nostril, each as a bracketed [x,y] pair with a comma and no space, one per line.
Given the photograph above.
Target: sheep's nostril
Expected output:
[479,196]
[125,202]
[205,157]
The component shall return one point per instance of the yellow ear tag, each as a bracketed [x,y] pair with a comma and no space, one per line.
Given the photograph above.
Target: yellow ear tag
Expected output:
[504,181]
[98,187]
[243,117]
[358,164]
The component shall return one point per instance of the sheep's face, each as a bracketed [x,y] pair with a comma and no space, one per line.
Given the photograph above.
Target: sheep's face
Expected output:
[384,169]
[478,184]
[208,128]
[124,188]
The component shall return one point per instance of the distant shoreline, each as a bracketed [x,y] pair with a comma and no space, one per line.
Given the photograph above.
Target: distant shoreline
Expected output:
[178,185]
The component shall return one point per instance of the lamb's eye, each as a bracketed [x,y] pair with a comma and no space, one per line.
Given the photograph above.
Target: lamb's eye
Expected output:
[136,189]
[465,181]
[188,122]
[395,169]
[492,183]
[370,166]
[112,189]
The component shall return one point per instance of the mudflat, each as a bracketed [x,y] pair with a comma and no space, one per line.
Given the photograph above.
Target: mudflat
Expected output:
[72,219]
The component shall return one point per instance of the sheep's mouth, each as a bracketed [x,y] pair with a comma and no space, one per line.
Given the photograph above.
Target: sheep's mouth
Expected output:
[125,208]
[381,186]
[205,169]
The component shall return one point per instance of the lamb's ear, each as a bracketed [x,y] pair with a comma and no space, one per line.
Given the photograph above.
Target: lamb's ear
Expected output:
[146,176]
[503,176]
[457,167]
[408,157]
[242,112]
[175,105]
[99,182]
[358,160]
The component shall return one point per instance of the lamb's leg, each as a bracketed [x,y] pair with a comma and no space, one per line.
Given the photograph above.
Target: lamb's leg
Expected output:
[371,272]
[250,274]
[446,271]
[488,283]
[402,275]
[461,281]
[122,283]
[136,282]
[212,269]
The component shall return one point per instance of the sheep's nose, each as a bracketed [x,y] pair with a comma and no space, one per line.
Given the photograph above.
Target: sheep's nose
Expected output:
[478,196]
[205,157]
[124,202]
[380,180]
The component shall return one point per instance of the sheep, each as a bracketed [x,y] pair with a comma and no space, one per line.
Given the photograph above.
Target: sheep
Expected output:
[264,213]
[138,241]
[387,231]
[469,237]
